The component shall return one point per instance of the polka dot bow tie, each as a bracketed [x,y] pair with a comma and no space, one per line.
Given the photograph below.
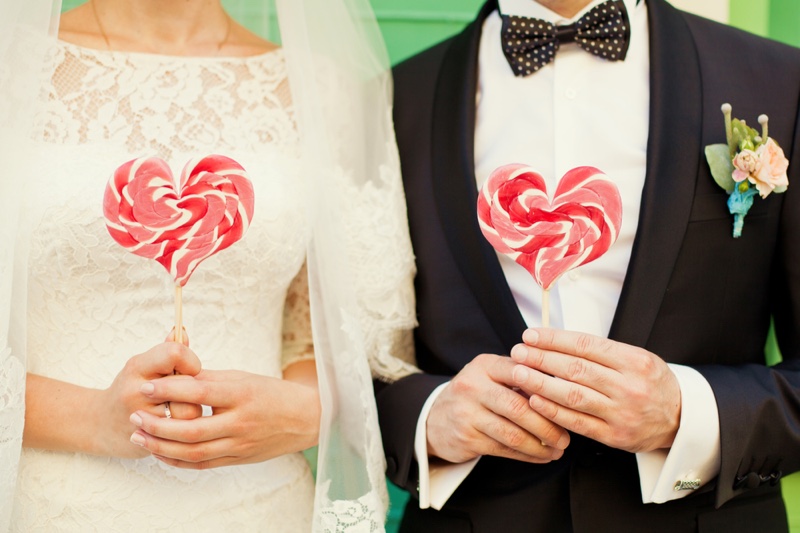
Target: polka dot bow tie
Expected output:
[529,44]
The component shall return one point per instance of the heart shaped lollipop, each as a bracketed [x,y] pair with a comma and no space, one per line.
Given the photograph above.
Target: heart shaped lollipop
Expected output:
[547,237]
[179,228]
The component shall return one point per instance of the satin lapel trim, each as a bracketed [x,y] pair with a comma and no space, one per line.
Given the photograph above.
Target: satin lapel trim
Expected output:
[454,184]
[673,159]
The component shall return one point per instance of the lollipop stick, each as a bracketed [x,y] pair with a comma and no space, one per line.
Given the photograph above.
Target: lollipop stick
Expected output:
[178,314]
[546,308]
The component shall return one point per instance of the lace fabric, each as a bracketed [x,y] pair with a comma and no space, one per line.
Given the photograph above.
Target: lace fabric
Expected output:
[169,106]
[92,305]
[12,396]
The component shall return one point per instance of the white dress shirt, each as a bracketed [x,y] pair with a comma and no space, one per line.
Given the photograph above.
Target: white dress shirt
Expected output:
[579,110]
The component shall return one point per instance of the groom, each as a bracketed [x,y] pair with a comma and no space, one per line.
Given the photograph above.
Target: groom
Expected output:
[660,415]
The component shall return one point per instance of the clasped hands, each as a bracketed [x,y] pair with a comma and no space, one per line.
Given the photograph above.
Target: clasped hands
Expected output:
[555,382]
[255,417]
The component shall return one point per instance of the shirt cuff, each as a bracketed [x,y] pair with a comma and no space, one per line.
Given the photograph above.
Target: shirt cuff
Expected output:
[694,458]
[438,481]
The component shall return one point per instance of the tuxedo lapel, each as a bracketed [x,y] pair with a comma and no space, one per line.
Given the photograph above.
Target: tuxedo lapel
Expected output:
[673,159]
[454,185]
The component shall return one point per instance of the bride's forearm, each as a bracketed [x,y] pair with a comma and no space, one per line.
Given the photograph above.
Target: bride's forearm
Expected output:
[62,416]
[57,415]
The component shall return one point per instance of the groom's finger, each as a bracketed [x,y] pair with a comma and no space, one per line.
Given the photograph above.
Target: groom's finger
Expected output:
[477,413]
[600,350]
[505,439]
[523,429]
[514,407]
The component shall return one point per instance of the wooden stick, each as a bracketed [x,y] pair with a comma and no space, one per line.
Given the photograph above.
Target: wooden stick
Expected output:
[178,314]
[546,308]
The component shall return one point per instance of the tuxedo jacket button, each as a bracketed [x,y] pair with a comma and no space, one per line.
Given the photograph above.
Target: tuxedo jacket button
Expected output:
[748,481]
[752,480]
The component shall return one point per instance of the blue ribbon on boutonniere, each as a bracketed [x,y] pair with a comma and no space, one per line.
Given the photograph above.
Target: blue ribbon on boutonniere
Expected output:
[747,165]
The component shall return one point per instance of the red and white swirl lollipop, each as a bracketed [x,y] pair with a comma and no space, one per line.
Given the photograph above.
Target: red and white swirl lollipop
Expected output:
[178,226]
[547,237]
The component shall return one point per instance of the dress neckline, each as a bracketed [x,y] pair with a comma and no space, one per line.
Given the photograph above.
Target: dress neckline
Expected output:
[161,58]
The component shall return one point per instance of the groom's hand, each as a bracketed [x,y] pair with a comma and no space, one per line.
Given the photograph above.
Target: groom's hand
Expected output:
[614,393]
[478,413]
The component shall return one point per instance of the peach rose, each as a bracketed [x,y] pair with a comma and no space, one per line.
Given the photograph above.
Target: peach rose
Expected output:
[771,171]
[745,164]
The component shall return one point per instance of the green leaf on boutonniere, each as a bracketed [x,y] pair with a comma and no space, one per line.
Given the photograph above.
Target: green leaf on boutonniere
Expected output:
[744,137]
[719,161]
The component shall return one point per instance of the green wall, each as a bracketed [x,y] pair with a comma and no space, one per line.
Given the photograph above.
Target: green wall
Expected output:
[410,26]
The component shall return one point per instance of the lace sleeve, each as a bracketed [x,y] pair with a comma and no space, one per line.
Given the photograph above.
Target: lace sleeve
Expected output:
[383,266]
[297,342]
[374,231]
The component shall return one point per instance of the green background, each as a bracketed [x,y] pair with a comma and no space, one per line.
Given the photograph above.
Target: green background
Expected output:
[412,25]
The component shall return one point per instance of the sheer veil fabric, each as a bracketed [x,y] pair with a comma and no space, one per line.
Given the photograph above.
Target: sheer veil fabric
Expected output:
[25,28]
[341,88]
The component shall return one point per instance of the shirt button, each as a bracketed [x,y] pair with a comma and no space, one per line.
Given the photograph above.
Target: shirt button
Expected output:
[570,94]
[574,275]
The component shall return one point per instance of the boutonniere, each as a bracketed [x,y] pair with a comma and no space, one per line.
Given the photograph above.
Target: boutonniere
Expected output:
[749,164]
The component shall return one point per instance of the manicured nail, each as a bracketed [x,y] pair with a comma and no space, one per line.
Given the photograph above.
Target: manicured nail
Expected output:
[530,336]
[138,439]
[519,353]
[136,420]
[147,388]
[520,374]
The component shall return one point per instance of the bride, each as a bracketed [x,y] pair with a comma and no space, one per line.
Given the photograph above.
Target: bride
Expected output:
[287,327]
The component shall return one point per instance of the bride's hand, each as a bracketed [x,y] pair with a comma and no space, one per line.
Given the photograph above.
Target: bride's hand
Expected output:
[114,405]
[183,411]
[255,418]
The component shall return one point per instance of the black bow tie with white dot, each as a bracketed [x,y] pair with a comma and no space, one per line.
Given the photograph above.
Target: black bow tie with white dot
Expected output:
[529,43]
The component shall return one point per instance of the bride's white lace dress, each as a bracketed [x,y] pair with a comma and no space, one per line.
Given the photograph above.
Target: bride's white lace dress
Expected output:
[92,305]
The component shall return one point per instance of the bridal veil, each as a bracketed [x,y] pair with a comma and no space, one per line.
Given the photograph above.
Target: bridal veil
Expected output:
[360,260]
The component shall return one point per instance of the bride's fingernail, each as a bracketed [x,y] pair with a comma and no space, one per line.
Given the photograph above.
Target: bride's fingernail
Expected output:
[147,388]
[520,374]
[136,420]
[138,439]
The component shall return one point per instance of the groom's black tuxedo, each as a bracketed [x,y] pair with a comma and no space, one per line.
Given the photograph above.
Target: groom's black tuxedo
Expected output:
[692,294]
